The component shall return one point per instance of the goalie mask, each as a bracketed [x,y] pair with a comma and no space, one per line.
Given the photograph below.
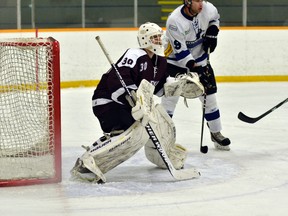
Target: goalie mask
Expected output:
[150,37]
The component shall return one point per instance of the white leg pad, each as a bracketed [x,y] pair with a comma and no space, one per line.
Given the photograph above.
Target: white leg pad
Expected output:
[115,150]
[90,164]
[166,134]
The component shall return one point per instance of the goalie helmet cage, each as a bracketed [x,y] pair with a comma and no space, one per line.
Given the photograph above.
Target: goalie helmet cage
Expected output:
[30,116]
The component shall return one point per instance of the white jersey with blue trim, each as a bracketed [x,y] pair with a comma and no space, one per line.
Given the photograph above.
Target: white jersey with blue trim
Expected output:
[184,35]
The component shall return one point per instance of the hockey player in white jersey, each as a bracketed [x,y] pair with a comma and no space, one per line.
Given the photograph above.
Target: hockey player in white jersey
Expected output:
[123,120]
[191,30]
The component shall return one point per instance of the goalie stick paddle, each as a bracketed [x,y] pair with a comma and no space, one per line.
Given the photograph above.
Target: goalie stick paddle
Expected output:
[183,174]
[251,120]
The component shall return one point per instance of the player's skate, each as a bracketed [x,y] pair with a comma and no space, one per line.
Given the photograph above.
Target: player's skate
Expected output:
[80,172]
[220,142]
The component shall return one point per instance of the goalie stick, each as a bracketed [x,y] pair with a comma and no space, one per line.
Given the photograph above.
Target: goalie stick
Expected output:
[251,120]
[183,174]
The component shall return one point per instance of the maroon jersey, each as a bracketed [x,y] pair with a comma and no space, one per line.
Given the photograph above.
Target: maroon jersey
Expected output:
[133,66]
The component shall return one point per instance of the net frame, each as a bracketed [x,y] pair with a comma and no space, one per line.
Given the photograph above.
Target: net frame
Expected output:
[53,109]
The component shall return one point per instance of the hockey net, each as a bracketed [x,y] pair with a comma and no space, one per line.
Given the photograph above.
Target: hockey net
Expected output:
[30,119]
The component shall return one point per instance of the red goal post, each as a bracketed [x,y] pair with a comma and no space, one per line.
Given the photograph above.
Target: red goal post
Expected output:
[30,111]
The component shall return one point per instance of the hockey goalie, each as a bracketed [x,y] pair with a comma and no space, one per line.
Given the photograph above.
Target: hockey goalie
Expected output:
[123,103]
[116,147]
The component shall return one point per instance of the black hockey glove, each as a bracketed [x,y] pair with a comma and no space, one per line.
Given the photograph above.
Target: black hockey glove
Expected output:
[190,65]
[210,38]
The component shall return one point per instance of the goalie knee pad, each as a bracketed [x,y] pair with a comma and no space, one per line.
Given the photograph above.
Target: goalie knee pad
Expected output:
[166,134]
[108,152]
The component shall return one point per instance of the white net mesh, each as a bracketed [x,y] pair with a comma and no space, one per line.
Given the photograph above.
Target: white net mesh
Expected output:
[26,109]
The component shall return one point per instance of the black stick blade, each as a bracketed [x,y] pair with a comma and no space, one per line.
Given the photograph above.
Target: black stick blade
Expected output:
[250,120]
[247,119]
[204,149]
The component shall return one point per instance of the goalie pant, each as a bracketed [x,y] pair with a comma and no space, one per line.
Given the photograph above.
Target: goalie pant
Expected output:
[109,152]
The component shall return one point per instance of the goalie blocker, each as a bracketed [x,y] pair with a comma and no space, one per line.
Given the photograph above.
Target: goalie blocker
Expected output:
[110,151]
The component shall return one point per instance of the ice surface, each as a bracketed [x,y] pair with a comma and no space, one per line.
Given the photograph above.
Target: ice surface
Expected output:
[251,179]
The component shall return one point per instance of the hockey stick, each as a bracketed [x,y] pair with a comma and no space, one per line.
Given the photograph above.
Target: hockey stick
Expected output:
[183,174]
[204,149]
[251,120]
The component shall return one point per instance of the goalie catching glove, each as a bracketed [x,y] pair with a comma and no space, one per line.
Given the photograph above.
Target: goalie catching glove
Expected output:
[185,85]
